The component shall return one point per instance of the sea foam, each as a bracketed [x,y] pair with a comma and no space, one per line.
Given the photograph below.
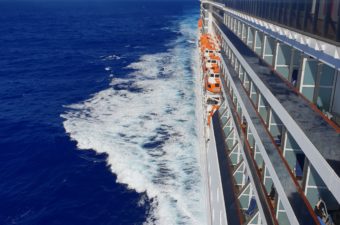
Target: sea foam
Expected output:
[146,123]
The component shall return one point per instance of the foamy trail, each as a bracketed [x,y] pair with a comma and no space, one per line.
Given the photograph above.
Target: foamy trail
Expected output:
[146,125]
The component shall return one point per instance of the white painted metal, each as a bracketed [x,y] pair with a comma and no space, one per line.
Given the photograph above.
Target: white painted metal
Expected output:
[325,171]
[324,51]
[210,170]
[268,163]
[217,203]
[247,164]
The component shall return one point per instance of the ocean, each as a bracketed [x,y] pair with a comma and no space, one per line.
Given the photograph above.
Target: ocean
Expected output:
[97,113]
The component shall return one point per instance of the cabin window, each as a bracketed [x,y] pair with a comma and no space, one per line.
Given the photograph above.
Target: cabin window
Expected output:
[209,86]
[217,76]
[217,85]
[211,75]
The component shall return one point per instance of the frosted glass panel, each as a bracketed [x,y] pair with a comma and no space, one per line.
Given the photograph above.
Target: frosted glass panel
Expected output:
[324,98]
[308,92]
[327,76]
[310,73]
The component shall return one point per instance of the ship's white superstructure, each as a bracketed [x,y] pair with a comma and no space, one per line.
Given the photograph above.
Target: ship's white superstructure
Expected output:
[270,95]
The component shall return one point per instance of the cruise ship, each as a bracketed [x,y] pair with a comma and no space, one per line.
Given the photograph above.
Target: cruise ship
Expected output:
[270,75]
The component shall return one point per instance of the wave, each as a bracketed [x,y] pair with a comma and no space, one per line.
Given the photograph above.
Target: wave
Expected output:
[146,124]
[111,57]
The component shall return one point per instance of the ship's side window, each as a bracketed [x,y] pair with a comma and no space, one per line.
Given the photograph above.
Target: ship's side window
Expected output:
[217,85]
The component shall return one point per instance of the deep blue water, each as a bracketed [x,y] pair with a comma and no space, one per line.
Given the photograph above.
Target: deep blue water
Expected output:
[51,55]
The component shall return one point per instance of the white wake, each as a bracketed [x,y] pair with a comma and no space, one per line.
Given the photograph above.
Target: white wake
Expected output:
[146,124]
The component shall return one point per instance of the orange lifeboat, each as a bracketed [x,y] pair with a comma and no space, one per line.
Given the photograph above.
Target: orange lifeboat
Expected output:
[213,85]
[204,40]
[206,48]
[215,69]
[212,62]
[200,23]
[214,57]
[209,51]
[205,36]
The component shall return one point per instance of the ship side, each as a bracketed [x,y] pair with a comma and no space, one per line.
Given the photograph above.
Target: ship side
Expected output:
[269,95]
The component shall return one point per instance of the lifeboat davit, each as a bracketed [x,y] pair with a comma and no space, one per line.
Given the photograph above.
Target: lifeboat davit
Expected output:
[213,99]
[211,109]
